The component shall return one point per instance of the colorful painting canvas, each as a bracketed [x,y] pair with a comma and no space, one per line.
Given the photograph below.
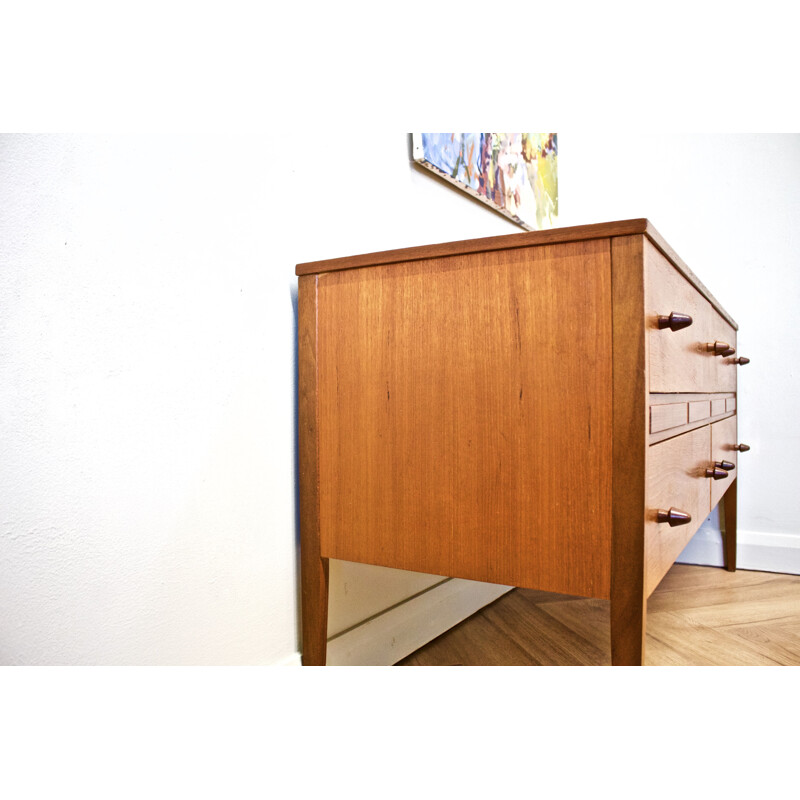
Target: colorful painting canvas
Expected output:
[515,173]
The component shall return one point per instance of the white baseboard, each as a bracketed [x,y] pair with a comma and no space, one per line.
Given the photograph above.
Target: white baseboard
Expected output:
[755,550]
[389,637]
[293,660]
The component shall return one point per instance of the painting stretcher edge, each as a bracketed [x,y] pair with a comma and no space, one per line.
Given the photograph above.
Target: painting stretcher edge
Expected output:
[418,154]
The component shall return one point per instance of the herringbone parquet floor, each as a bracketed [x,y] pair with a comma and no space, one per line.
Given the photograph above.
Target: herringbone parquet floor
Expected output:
[697,616]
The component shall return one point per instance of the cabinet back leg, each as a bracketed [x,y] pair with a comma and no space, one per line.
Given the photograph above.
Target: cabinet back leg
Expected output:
[729,510]
[314,576]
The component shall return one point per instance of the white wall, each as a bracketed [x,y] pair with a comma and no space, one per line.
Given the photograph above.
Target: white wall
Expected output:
[147,373]
[147,485]
[730,206]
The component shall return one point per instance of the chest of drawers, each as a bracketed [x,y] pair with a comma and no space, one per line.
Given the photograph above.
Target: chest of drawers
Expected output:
[553,410]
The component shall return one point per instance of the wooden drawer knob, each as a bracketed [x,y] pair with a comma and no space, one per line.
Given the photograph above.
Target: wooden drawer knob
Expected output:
[674,517]
[741,361]
[720,349]
[726,465]
[674,321]
[716,473]
[742,448]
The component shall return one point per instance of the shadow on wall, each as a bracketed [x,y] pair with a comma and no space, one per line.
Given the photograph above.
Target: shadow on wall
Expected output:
[296,464]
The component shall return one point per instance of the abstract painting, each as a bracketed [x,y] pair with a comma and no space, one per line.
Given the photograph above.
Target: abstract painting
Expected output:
[515,173]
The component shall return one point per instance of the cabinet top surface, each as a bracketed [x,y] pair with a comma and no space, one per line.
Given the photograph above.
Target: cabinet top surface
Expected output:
[511,241]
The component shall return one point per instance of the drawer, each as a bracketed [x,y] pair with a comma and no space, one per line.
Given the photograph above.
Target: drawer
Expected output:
[676,478]
[680,360]
[723,439]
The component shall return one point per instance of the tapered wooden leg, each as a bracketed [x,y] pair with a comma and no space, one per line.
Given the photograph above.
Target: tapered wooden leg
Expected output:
[313,567]
[729,509]
[314,577]
[629,453]
[628,627]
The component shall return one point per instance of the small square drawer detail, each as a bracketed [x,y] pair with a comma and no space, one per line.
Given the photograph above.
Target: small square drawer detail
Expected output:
[670,415]
[699,410]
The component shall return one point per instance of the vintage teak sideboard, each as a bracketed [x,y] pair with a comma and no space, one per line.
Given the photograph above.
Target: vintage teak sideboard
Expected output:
[553,410]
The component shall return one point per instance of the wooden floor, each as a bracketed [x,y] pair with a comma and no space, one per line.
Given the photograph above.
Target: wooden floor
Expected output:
[697,616]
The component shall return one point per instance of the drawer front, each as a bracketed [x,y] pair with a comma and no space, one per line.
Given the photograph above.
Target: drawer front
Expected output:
[723,439]
[680,360]
[675,479]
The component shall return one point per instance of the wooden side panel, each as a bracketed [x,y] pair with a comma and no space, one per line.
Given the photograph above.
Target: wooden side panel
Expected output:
[465,416]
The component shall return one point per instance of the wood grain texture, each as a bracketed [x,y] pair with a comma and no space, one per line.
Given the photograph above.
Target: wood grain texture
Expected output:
[445,442]
[675,477]
[482,410]
[658,241]
[673,432]
[679,360]
[729,510]
[723,439]
[313,568]
[668,415]
[573,233]
[699,410]
[688,397]
[629,449]
[487,244]
[698,616]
